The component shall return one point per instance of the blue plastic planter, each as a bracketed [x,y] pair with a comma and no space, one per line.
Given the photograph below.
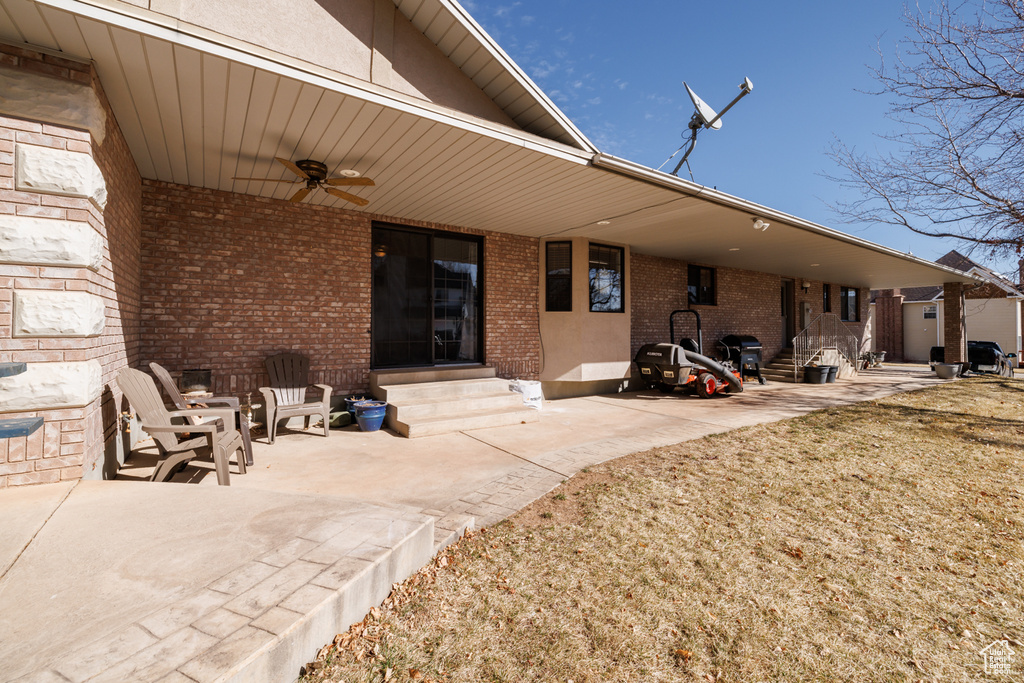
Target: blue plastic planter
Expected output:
[370,414]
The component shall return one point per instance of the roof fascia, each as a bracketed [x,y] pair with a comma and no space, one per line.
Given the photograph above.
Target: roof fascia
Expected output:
[477,31]
[161,27]
[634,170]
[994,278]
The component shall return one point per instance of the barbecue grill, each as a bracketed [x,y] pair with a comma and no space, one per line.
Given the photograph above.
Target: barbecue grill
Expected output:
[744,351]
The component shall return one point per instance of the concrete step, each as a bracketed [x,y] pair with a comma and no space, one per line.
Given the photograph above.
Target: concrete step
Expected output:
[454,405]
[779,376]
[381,378]
[425,391]
[430,426]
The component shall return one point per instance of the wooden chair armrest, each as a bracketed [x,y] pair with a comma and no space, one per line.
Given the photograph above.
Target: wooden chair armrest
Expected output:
[324,388]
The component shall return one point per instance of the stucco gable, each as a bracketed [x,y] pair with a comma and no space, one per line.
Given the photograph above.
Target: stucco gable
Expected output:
[375,42]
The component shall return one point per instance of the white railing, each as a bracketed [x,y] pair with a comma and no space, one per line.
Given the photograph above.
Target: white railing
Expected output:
[827,331]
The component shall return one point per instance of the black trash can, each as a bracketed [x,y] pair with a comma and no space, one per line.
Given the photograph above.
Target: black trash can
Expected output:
[833,370]
[815,374]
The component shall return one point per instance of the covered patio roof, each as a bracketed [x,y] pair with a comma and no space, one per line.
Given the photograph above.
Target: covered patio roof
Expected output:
[198,108]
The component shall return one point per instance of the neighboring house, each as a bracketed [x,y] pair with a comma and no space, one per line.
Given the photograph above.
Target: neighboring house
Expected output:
[135,225]
[994,312]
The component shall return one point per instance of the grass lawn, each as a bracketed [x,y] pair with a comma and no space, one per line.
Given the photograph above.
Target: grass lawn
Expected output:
[878,542]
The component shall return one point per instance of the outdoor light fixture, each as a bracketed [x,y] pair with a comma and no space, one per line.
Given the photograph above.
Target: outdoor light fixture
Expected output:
[760,224]
[807,286]
[380,251]
[734,248]
[604,222]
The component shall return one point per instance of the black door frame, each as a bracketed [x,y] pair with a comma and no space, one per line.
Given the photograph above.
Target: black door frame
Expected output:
[432,234]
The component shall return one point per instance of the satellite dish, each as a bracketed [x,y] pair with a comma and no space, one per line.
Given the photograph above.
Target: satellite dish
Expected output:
[706,117]
[706,113]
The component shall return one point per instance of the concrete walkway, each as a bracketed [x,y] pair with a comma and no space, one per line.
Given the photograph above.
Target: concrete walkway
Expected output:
[129,580]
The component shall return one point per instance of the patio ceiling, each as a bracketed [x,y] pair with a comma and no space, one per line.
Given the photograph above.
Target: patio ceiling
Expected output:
[196,110]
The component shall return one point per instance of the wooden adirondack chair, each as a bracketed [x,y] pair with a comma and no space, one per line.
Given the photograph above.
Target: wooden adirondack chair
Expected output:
[182,403]
[286,395]
[220,441]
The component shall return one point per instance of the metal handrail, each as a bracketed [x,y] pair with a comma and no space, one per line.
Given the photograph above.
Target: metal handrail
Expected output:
[827,331]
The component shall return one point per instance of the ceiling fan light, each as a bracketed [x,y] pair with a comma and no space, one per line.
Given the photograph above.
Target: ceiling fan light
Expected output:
[349,173]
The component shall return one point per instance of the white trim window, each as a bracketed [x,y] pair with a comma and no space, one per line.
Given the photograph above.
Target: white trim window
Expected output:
[931,311]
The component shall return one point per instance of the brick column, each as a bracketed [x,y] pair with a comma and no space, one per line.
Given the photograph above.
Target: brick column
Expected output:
[889,323]
[953,325]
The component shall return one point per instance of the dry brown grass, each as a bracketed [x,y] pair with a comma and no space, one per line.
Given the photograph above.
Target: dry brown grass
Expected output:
[879,542]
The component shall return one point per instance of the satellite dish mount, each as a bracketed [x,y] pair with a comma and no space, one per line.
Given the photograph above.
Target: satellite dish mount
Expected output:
[705,117]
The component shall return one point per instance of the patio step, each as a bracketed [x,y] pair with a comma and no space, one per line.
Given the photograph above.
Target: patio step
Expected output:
[780,369]
[427,391]
[446,406]
[382,378]
[431,426]
[430,408]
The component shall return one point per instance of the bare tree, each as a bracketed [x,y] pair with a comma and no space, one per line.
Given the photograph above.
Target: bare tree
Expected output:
[957,98]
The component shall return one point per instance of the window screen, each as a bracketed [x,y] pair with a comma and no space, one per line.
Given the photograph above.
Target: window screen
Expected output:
[701,285]
[849,304]
[558,265]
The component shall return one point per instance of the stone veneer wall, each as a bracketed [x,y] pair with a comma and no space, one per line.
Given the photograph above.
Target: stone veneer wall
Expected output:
[230,279]
[69,275]
[748,302]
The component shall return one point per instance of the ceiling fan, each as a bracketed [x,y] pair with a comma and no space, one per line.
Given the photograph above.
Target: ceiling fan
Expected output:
[314,174]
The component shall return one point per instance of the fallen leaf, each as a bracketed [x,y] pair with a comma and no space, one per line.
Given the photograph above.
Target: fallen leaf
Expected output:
[685,655]
[415,674]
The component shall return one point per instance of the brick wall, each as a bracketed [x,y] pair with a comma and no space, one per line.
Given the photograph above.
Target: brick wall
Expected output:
[748,302]
[80,441]
[889,323]
[511,300]
[230,279]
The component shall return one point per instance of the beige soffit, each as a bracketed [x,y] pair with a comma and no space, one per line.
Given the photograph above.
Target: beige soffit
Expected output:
[790,245]
[198,112]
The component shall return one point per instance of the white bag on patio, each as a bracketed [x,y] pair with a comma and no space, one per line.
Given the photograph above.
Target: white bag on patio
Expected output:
[533,397]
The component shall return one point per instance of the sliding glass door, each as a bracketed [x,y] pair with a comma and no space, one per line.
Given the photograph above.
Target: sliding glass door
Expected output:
[426,298]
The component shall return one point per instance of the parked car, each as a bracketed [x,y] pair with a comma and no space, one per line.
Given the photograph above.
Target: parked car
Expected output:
[984,356]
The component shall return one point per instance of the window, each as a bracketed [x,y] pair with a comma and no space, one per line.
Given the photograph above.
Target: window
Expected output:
[606,270]
[558,265]
[849,304]
[701,285]
[931,312]
[826,293]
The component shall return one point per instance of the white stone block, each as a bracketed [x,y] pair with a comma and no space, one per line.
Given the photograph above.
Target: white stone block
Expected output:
[58,171]
[38,97]
[51,386]
[47,313]
[50,242]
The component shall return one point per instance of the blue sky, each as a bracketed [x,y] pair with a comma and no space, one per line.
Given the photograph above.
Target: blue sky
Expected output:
[616,69]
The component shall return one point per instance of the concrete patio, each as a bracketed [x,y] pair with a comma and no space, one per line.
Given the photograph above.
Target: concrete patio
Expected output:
[129,580]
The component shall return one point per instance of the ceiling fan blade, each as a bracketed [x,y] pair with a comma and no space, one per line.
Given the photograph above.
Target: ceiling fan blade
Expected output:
[349,181]
[292,167]
[270,180]
[358,201]
[300,195]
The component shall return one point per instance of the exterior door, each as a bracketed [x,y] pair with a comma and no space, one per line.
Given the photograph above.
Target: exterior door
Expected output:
[426,299]
[786,296]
